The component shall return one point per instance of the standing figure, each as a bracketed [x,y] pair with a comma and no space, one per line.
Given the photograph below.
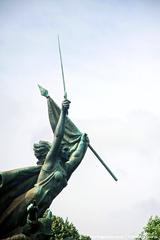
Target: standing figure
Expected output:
[56,163]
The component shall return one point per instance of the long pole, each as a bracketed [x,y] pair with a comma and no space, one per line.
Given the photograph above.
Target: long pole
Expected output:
[103,163]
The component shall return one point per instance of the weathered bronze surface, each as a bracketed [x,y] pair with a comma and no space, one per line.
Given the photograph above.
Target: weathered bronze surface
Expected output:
[40,184]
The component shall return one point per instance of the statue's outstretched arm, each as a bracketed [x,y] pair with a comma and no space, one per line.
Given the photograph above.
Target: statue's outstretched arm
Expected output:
[57,121]
[53,152]
[77,155]
[58,134]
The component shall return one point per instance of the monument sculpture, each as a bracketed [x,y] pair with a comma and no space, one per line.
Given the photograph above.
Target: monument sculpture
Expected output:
[56,163]
[26,193]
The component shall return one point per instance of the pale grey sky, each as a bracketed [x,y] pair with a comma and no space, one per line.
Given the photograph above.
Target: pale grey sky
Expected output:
[111,55]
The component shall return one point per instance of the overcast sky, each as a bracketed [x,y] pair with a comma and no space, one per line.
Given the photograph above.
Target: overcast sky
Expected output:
[111,56]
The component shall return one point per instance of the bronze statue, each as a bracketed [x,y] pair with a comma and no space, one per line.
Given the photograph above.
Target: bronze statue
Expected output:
[56,162]
[26,193]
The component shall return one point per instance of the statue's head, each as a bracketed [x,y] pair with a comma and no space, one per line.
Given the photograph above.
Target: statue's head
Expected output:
[40,151]
[42,148]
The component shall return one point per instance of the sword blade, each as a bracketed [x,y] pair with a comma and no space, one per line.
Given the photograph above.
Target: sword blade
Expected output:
[64,85]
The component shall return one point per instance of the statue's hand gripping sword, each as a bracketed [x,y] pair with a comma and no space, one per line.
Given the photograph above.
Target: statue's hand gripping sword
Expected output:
[65,97]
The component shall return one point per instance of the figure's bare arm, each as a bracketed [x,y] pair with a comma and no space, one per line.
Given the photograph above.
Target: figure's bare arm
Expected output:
[58,135]
[51,157]
[77,156]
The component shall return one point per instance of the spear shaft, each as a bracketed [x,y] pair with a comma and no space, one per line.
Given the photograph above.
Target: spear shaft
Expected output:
[102,162]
